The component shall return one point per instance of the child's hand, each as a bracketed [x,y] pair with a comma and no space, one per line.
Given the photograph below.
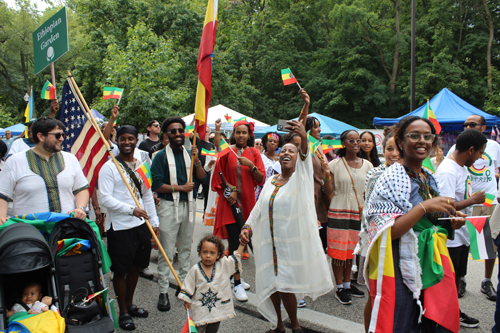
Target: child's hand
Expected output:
[187,305]
[244,237]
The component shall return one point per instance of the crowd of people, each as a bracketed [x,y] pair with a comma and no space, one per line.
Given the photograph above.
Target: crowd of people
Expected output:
[371,220]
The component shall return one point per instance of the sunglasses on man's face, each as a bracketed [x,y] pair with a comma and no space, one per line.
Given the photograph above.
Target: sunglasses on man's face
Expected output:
[471,125]
[156,125]
[58,135]
[174,131]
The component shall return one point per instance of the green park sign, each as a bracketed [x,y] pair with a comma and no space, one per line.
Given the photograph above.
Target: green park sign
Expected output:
[50,40]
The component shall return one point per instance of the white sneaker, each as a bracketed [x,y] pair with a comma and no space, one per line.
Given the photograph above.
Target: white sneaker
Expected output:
[146,272]
[245,285]
[240,294]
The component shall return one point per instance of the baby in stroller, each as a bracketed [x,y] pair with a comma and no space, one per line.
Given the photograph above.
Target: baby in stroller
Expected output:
[32,300]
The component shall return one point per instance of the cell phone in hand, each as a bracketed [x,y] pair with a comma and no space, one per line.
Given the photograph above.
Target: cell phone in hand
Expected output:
[282,124]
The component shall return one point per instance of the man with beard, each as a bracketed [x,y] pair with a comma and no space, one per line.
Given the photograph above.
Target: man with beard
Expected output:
[44,178]
[170,171]
[129,239]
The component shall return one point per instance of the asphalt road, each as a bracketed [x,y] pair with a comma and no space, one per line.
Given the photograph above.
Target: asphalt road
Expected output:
[325,314]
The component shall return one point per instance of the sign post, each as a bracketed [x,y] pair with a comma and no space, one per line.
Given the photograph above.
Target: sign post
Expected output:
[50,42]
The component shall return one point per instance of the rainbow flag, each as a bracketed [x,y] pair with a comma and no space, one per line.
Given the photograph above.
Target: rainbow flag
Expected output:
[112,92]
[481,243]
[328,145]
[229,119]
[240,119]
[438,276]
[489,200]
[204,67]
[313,143]
[189,130]
[382,284]
[28,113]
[429,114]
[287,77]
[189,326]
[428,164]
[145,173]
[48,91]
[206,152]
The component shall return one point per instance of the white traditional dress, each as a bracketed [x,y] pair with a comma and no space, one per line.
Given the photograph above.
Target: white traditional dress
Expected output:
[288,253]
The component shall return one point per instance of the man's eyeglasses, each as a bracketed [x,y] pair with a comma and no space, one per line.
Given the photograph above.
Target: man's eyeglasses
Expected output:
[415,137]
[174,131]
[156,125]
[58,135]
[352,141]
[472,125]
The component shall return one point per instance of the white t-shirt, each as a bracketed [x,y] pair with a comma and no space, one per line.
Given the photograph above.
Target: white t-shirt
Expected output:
[454,182]
[28,189]
[482,172]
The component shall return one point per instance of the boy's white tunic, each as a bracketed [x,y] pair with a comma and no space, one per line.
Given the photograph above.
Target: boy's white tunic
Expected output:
[302,266]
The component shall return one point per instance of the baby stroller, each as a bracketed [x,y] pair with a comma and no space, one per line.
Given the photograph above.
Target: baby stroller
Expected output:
[25,257]
[79,276]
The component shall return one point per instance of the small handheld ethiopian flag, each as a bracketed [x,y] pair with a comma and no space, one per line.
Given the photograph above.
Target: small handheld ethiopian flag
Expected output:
[145,174]
[229,119]
[328,145]
[206,152]
[189,326]
[288,78]
[429,114]
[189,130]
[313,143]
[489,200]
[112,92]
[48,91]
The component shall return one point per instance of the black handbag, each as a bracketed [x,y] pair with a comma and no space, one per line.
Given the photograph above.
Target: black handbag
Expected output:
[80,312]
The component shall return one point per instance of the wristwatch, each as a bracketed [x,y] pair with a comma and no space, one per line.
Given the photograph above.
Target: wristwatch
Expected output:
[254,169]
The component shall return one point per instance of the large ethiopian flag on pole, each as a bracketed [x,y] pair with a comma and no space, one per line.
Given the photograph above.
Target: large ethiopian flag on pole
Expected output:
[204,67]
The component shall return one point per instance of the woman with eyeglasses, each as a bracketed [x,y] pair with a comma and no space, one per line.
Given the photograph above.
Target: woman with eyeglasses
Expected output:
[368,149]
[258,145]
[348,174]
[408,262]
[243,170]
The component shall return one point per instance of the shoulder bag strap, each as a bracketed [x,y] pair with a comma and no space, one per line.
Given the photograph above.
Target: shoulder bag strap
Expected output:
[352,181]
[131,174]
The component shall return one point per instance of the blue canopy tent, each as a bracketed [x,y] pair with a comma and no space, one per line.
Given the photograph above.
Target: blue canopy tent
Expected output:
[450,110]
[14,129]
[329,126]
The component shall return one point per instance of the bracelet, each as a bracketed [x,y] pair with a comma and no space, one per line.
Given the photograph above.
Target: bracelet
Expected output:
[97,207]
[197,164]
[173,189]
[305,114]
[425,212]
[217,131]
[326,179]
[233,189]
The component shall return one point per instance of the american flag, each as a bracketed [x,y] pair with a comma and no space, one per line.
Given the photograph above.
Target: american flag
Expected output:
[82,139]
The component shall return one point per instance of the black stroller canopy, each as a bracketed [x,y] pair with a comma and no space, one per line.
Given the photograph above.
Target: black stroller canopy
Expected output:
[23,249]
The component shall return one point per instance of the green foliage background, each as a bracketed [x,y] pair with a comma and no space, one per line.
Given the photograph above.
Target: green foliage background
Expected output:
[352,56]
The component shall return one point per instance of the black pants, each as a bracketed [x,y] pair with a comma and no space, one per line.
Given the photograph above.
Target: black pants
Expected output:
[233,238]
[205,189]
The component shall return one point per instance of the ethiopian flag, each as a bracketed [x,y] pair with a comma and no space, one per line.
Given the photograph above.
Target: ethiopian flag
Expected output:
[382,284]
[204,67]
[189,326]
[240,119]
[287,77]
[489,200]
[313,143]
[48,91]
[481,243]
[71,246]
[206,152]
[429,114]
[229,119]
[145,174]
[328,145]
[224,148]
[189,130]
[112,92]
[428,164]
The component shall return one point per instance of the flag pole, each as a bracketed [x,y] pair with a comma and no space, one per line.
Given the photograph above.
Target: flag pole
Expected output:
[120,97]
[299,85]
[123,177]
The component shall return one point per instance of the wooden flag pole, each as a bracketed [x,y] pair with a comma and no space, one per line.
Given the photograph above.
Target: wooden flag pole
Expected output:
[123,178]
[53,72]
[192,159]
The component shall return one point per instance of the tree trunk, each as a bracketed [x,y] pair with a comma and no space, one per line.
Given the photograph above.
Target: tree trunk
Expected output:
[395,64]
[488,50]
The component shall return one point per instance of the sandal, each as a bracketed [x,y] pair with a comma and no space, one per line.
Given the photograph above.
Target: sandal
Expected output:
[126,323]
[245,256]
[276,330]
[299,330]
[134,311]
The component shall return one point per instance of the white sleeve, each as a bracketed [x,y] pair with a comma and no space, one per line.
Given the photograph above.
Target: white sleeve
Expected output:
[106,192]
[207,161]
[149,205]
[497,155]
[447,184]
[8,181]
[80,179]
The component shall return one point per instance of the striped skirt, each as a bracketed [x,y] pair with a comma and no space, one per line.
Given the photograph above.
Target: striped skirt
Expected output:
[342,233]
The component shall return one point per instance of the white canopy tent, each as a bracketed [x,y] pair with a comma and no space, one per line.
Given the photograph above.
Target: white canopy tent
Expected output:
[219,111]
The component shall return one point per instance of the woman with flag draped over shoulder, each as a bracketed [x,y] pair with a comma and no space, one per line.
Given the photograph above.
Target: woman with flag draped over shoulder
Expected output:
[243,169]
[411,277]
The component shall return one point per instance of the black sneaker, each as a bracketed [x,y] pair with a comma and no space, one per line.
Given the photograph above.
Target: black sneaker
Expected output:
[355,292]
[343,296]
[466,321]
[488,290]
[461,288]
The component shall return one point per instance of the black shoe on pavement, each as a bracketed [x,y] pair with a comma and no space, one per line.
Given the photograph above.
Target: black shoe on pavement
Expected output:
[466,321]
[163,302]
[488,290]
[355,292]
[461,288]
[343,296]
